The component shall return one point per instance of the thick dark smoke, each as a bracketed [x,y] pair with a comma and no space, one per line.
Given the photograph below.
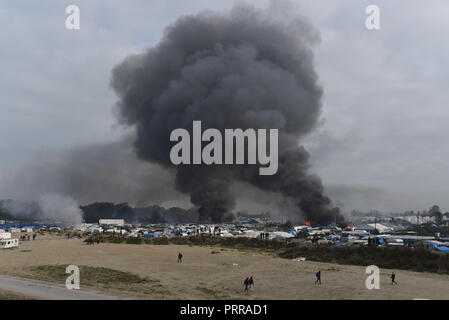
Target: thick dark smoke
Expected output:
[248,68]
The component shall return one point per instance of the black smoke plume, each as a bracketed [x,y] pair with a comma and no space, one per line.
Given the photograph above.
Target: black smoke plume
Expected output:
[248,68]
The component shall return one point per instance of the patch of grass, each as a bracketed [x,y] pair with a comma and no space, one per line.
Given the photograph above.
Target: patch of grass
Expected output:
[8,295]
[418,259]
[214,294]
[214,252]
[100,277]
[160,241]
[134,240]
[332,269]
[207,291]
[88,275]
[25,250]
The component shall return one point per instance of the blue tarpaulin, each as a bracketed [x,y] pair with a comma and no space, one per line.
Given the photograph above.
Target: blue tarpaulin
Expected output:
[431,245]
[292,232]
[442,249]
[150,235]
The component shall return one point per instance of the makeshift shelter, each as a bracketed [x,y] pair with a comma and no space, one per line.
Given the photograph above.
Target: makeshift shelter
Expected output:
[150,235]
[442,249]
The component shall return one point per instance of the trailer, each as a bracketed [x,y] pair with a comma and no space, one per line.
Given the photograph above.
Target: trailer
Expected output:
[9,243]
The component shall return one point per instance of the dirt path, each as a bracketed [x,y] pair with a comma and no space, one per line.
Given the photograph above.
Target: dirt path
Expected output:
[47,291]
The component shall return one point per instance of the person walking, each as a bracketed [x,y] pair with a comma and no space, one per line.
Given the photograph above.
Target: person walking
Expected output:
[318,277]
[251,282]
[179,257]
[393,279]
[246,284]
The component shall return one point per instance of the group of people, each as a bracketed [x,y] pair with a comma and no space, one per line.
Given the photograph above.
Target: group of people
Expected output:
[248,283]
[27,237]
[265,235]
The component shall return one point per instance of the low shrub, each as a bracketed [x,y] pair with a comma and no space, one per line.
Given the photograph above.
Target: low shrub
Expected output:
[416,259]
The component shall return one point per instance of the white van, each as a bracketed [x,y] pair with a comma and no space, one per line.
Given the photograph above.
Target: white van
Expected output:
[9,243]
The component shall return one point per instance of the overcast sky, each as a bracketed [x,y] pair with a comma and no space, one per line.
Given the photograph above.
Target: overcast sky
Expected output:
[382,143]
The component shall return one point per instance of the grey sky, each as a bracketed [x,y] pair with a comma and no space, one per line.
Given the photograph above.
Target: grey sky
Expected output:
[382,142]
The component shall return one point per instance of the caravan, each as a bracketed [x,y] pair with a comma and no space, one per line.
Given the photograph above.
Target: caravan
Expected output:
[9,243]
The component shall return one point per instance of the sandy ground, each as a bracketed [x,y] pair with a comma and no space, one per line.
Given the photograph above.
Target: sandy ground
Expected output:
[207,275]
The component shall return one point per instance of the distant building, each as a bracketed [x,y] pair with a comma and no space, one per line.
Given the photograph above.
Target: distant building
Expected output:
[112,222]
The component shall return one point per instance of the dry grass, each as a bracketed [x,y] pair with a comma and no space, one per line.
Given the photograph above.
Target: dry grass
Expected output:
[99,277]
[8,295]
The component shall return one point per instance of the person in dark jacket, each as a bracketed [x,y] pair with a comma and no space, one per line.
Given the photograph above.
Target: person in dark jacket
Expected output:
[251,282]
[179,257]
[393,277]
[246,284]
[318,277]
